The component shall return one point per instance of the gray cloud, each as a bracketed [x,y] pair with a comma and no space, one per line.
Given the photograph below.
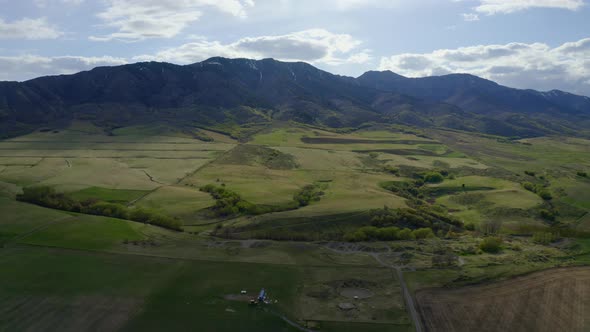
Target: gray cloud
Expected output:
[314,46]
[284,48]
[28,28]
[521,65]
[30,66]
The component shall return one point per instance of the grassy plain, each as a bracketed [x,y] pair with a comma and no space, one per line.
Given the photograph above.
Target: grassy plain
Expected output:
[113,274]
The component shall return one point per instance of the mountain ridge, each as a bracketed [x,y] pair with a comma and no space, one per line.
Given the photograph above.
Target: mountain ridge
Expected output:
[238,91]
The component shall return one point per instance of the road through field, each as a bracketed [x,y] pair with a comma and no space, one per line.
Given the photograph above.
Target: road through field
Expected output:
[398,272]
[407,295]
[409,300]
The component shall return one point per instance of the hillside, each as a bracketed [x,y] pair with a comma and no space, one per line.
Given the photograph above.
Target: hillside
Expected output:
[222,92]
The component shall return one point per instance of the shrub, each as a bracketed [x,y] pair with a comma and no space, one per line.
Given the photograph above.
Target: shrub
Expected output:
[423,233]
[582,174]
[405,234]
[491,244]
[544,194]
[391,170]
[530,173]
[371,233]
[308,194]
[140,215]
[107,209]
[388,233]
[356,236]
[548,215]
[433,177]
[529,186]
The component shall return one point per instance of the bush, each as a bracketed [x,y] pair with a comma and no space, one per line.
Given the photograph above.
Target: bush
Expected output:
[582,174]
[529,186]
[491,245]
[548,215]
[433,177]
[391,170]
[388,234]
[530,173]
[371,233]
[107,209]
[423,233]
[405,234]
[308,194]
[356,236]
[544,194]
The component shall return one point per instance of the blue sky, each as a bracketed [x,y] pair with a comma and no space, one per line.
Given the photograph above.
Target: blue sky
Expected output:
[540,44]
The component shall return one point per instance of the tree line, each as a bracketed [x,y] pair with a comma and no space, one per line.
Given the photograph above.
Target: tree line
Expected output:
[48,197]
[229,203]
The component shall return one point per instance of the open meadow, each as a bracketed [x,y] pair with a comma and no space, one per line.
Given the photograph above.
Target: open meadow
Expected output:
[374,229]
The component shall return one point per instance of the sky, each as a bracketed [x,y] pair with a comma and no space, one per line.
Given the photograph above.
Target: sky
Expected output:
[537,44]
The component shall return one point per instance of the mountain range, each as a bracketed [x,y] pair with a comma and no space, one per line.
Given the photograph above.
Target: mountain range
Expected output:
[221,91]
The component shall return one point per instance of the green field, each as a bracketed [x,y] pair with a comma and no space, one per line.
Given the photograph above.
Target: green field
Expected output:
[72,271]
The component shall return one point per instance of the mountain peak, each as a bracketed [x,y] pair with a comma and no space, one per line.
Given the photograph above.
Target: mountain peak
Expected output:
[385,74]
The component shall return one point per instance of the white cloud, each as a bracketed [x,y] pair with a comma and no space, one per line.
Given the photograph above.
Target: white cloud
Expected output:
[352,4]
[24,67]
[44,3]
[142,19]
[314,46]
[491,7]
[28,28]
[73,2]
[521,65]
[470,17]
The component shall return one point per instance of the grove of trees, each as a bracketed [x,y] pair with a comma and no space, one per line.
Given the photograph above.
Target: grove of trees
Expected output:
[48,197]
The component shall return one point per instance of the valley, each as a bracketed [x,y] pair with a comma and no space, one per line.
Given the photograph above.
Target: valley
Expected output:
[322,218]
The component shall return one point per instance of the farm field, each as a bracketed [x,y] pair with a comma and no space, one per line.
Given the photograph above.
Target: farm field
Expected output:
[308,210]
[552,300]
